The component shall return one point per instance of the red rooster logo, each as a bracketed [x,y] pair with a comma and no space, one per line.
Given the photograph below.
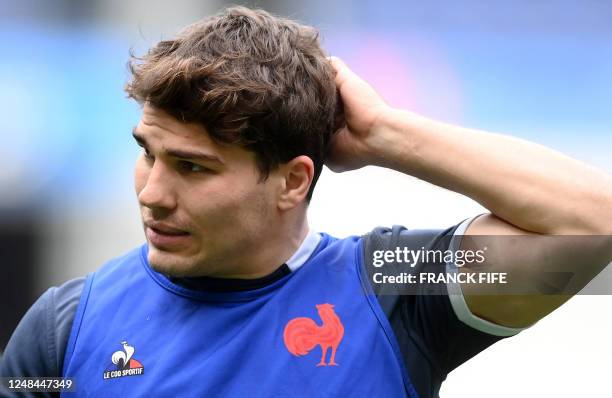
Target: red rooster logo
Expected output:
[303,334]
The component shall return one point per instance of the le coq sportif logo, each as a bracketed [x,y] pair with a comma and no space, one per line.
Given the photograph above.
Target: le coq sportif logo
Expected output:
[123,363]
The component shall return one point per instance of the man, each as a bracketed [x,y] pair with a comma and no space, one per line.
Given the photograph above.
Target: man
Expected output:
[233,294]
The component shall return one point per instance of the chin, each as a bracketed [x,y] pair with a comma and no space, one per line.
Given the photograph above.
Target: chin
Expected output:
[171,264]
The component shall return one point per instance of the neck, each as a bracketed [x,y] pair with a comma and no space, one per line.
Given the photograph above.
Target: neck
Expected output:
[272,250]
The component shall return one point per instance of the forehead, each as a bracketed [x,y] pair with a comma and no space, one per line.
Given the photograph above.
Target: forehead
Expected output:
[157,124]
[162,131]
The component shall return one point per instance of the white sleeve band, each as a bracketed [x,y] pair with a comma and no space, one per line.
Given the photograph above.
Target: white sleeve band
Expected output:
[455,294]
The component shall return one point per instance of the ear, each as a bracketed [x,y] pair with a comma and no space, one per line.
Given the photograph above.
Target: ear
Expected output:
[297,175]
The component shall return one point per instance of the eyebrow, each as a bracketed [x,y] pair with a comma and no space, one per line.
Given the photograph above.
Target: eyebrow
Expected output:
[179,153]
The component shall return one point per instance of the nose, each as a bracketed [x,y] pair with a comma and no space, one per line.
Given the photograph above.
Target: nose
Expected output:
[158,192]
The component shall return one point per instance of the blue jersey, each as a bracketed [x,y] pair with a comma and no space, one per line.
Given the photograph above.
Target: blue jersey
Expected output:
[318,330]
[314,332]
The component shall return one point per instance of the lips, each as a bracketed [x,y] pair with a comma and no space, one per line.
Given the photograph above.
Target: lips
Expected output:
[162,229]
[166,237]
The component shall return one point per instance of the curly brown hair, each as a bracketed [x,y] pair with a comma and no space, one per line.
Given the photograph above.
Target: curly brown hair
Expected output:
[252,79]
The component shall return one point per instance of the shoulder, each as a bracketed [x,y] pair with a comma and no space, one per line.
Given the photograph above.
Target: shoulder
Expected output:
[38,344]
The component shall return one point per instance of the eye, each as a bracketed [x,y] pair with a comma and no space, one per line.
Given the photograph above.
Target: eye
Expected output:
[191,167]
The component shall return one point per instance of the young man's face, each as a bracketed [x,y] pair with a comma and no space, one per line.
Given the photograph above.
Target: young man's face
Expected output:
[203,205]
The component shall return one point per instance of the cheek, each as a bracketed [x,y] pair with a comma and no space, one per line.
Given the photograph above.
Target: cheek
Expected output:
[257,205]
[231,203]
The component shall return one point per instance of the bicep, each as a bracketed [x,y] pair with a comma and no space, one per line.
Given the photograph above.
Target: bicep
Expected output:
[542,271]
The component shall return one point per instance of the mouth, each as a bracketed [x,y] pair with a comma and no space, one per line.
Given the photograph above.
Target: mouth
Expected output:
[166,237]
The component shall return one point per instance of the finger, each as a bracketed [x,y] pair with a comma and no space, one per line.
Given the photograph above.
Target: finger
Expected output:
[342,70]
[336,61]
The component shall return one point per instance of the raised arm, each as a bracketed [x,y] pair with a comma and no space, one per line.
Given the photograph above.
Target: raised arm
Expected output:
[528,188]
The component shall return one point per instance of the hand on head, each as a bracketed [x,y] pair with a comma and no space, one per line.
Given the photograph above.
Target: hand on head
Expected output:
[363,109]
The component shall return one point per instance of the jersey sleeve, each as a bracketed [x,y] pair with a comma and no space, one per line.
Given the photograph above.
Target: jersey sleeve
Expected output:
[432,327]
[457,300]
[37,346]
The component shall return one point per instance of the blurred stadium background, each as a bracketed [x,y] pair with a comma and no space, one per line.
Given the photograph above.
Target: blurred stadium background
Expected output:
[539,70]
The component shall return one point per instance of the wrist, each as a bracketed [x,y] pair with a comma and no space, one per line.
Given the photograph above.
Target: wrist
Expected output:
[392,142]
